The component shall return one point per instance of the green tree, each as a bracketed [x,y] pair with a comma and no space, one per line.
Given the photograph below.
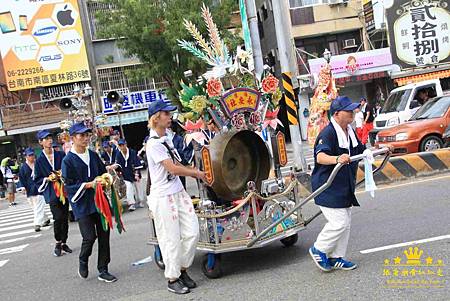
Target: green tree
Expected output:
[149,29]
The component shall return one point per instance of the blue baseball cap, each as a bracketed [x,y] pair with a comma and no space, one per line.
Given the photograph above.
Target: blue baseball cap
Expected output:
[106,144]
[29,151]
[343,103]
[79,128]
[122,142]
[55,144]
[158,106]
[43,134]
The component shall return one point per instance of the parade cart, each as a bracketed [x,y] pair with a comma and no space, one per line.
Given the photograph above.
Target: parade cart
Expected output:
[230,116]
[268,212]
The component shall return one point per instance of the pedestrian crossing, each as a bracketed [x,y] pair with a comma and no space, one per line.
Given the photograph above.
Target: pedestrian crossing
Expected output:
[17,230]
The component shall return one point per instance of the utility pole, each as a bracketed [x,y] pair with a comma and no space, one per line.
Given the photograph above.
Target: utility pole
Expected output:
[282,29]
[248,11]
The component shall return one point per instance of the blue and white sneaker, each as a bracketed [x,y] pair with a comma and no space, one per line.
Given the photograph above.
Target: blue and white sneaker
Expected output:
[342,264]
[320,259]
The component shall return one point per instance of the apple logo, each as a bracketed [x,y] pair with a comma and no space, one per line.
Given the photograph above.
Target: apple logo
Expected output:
[65,17]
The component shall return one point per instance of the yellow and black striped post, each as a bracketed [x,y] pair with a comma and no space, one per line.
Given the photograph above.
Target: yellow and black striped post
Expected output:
[289,97]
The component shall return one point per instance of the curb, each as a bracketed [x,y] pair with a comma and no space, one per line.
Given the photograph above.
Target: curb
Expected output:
[410,166]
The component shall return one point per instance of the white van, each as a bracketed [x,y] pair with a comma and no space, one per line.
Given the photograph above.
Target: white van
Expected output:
[402,103]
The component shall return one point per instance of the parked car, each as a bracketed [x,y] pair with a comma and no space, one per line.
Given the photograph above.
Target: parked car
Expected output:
[402,103]
[447,137]
[423,132]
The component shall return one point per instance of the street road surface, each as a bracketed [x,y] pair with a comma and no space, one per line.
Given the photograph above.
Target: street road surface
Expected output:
[408,212]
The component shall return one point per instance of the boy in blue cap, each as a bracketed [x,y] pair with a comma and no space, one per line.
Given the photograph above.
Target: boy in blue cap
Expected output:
[336,144]
[109,153]
[175,219]
[46,170]
[130,165]
[26,175]
[79,169]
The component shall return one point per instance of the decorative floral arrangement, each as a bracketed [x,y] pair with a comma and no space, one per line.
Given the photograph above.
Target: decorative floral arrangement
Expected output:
[256,104]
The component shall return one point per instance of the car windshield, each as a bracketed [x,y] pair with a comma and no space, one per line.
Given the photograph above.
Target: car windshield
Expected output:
[396,102]
[433,108]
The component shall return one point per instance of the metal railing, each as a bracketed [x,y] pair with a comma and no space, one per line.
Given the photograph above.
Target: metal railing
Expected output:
[316,193]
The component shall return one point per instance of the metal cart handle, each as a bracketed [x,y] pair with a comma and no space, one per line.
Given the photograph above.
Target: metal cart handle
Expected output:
[314,194]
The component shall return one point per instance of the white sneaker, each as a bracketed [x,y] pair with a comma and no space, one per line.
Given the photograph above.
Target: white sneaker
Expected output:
[131,208]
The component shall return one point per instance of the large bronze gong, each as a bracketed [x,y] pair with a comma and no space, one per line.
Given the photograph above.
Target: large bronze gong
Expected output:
[237,158]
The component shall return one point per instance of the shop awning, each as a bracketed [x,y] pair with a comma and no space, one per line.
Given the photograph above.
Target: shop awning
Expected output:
[127,118]
[421,77]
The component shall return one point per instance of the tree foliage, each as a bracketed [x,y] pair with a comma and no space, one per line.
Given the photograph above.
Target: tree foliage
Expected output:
[149,29]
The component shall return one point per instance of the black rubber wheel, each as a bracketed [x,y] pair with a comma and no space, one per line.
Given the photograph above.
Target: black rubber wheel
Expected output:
[216,271]
[159,260]
[431,143]
[290,240]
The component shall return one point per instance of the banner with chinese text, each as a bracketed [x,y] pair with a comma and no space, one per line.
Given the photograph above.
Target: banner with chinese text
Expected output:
[41,43]
[419,32]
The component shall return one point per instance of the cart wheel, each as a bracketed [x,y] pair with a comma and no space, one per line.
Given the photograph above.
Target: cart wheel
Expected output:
[211,266]
[158,258]
[290,240]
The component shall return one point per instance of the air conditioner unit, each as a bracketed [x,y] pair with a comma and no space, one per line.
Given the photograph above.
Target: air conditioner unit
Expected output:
[333,2]
[350,43]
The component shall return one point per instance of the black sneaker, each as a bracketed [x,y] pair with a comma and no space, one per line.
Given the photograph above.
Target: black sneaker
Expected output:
[37,228]
[178,287]
[184,277]
[66,248]
[83,270]
[58,250]
[107,277]
[46,223]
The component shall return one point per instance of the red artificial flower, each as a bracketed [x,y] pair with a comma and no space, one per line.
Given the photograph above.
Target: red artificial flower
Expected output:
[214,87]
[270,84]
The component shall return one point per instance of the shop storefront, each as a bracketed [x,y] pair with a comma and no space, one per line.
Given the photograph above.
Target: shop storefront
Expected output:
[133,115]
[360,74]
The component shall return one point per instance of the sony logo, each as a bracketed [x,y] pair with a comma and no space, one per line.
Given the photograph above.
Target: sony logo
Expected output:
[69,42]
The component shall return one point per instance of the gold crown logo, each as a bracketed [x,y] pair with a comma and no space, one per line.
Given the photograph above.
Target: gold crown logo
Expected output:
[413,258]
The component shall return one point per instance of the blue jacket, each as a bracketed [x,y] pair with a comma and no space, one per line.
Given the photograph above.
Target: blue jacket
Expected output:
[110,160]
[130,165]
[42,169]
[75,174]
[26,178]
[341,193]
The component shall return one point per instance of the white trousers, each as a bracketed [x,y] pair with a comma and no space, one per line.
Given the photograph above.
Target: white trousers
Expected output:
[177,230]
[140,190]
[333,239]
[131,192]
[38,203]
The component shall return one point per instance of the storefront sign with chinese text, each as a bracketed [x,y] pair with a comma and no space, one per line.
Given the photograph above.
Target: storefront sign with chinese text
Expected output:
[357,63]
[42,44]
[419,32]
[135,100]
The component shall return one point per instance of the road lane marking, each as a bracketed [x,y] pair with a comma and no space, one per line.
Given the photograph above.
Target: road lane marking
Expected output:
[19,219]
[16,233]
[16,222]
[8,241]
[19,215]
[3,262]
[13,249]
[16,227]
[404,244]
[22,216]
[6,212]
